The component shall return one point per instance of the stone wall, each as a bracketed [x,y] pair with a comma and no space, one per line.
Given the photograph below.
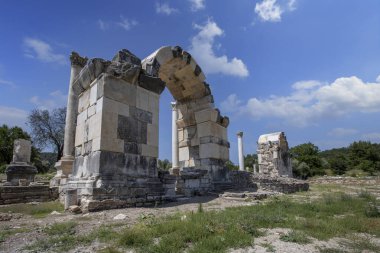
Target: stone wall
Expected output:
[273,155]
[25,194]
[279,184]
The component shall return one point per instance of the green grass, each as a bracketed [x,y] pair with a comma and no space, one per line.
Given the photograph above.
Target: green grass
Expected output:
[6,232]
[61,228]
[333,215]
[39,210]
[296,237]
[269,247]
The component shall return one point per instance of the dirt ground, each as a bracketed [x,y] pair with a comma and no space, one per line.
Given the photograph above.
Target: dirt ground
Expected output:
[268,243]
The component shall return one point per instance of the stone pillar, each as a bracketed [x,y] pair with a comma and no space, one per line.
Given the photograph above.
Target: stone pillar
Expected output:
[64,166]
[175,159]
[240,149]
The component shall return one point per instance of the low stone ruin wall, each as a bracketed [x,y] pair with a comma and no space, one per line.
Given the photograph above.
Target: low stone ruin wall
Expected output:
[25,194]
[280,184]
[242,180]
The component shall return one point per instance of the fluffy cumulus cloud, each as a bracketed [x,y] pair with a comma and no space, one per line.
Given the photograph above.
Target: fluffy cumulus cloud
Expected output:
[202,48]
[56,99]
[197,5]
[41,50]
[272,10]
[12,116]
[312,101]
[164,8]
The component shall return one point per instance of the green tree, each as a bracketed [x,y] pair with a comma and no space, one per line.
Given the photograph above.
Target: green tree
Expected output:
[250,160]
[365,156]
[7,137]
[164,164]
[231,166]
[306,160]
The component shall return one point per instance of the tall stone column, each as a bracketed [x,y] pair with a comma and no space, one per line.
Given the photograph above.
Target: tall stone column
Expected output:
[175,158]
[64,166]
[240,149]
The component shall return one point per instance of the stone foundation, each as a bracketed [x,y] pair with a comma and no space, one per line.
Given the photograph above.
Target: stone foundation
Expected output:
[25,194]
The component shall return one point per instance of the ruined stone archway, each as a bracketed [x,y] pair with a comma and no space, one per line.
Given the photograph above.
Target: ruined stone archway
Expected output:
[202,131]
[113,114]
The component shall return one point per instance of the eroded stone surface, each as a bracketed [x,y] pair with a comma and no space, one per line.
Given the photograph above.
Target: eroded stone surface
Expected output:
[273,155]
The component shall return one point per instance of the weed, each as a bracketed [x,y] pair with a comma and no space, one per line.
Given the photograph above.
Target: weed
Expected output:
[296,237]
[61,228]
[200,208]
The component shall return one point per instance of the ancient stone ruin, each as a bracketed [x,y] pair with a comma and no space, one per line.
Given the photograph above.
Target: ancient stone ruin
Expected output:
[20,186]
[20,171]
[111,134]
[273,155]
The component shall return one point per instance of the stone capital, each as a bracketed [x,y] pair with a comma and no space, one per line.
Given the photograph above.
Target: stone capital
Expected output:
[77,60]
[174,106]
[240,134]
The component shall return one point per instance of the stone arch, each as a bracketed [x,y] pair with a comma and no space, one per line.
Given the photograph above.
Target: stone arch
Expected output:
[111,134]
[202,131]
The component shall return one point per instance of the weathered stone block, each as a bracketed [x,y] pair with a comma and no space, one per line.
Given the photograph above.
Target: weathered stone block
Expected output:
[84,101]
[119,90]
[207,115]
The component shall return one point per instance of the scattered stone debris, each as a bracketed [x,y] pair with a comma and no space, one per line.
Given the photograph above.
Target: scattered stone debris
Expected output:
[120,216]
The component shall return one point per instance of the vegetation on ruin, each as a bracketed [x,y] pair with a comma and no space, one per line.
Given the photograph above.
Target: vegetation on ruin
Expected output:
[333,214]
[36,210]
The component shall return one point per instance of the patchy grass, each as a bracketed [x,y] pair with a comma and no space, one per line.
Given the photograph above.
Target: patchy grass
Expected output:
[38,210]
[296,237]
[61,228]
[361,244]
[211,231]
[269,247]
[6,232]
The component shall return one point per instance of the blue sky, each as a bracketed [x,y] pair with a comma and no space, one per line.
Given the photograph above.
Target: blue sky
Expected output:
[308,68]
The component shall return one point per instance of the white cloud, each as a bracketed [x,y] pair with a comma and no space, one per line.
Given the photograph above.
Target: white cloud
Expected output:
[231,104]
[375,136]
[56,99]
[202,49]
[269,10]
[103,25]
[38,49]
[340,132]
[197,5]
[304,85]
[12,116]
[7,83]
[126,24]
[164,8]
[292,5]
[272,10]
[378,79]
[309,104]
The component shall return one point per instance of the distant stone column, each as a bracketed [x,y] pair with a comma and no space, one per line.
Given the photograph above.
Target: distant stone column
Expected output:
[175,158]
[64,166]
[240,149]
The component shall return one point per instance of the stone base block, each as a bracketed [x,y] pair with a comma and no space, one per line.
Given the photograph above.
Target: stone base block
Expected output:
[20,172]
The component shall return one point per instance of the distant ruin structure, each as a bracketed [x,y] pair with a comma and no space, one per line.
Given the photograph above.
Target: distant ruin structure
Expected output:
[273,155]
[20,171]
